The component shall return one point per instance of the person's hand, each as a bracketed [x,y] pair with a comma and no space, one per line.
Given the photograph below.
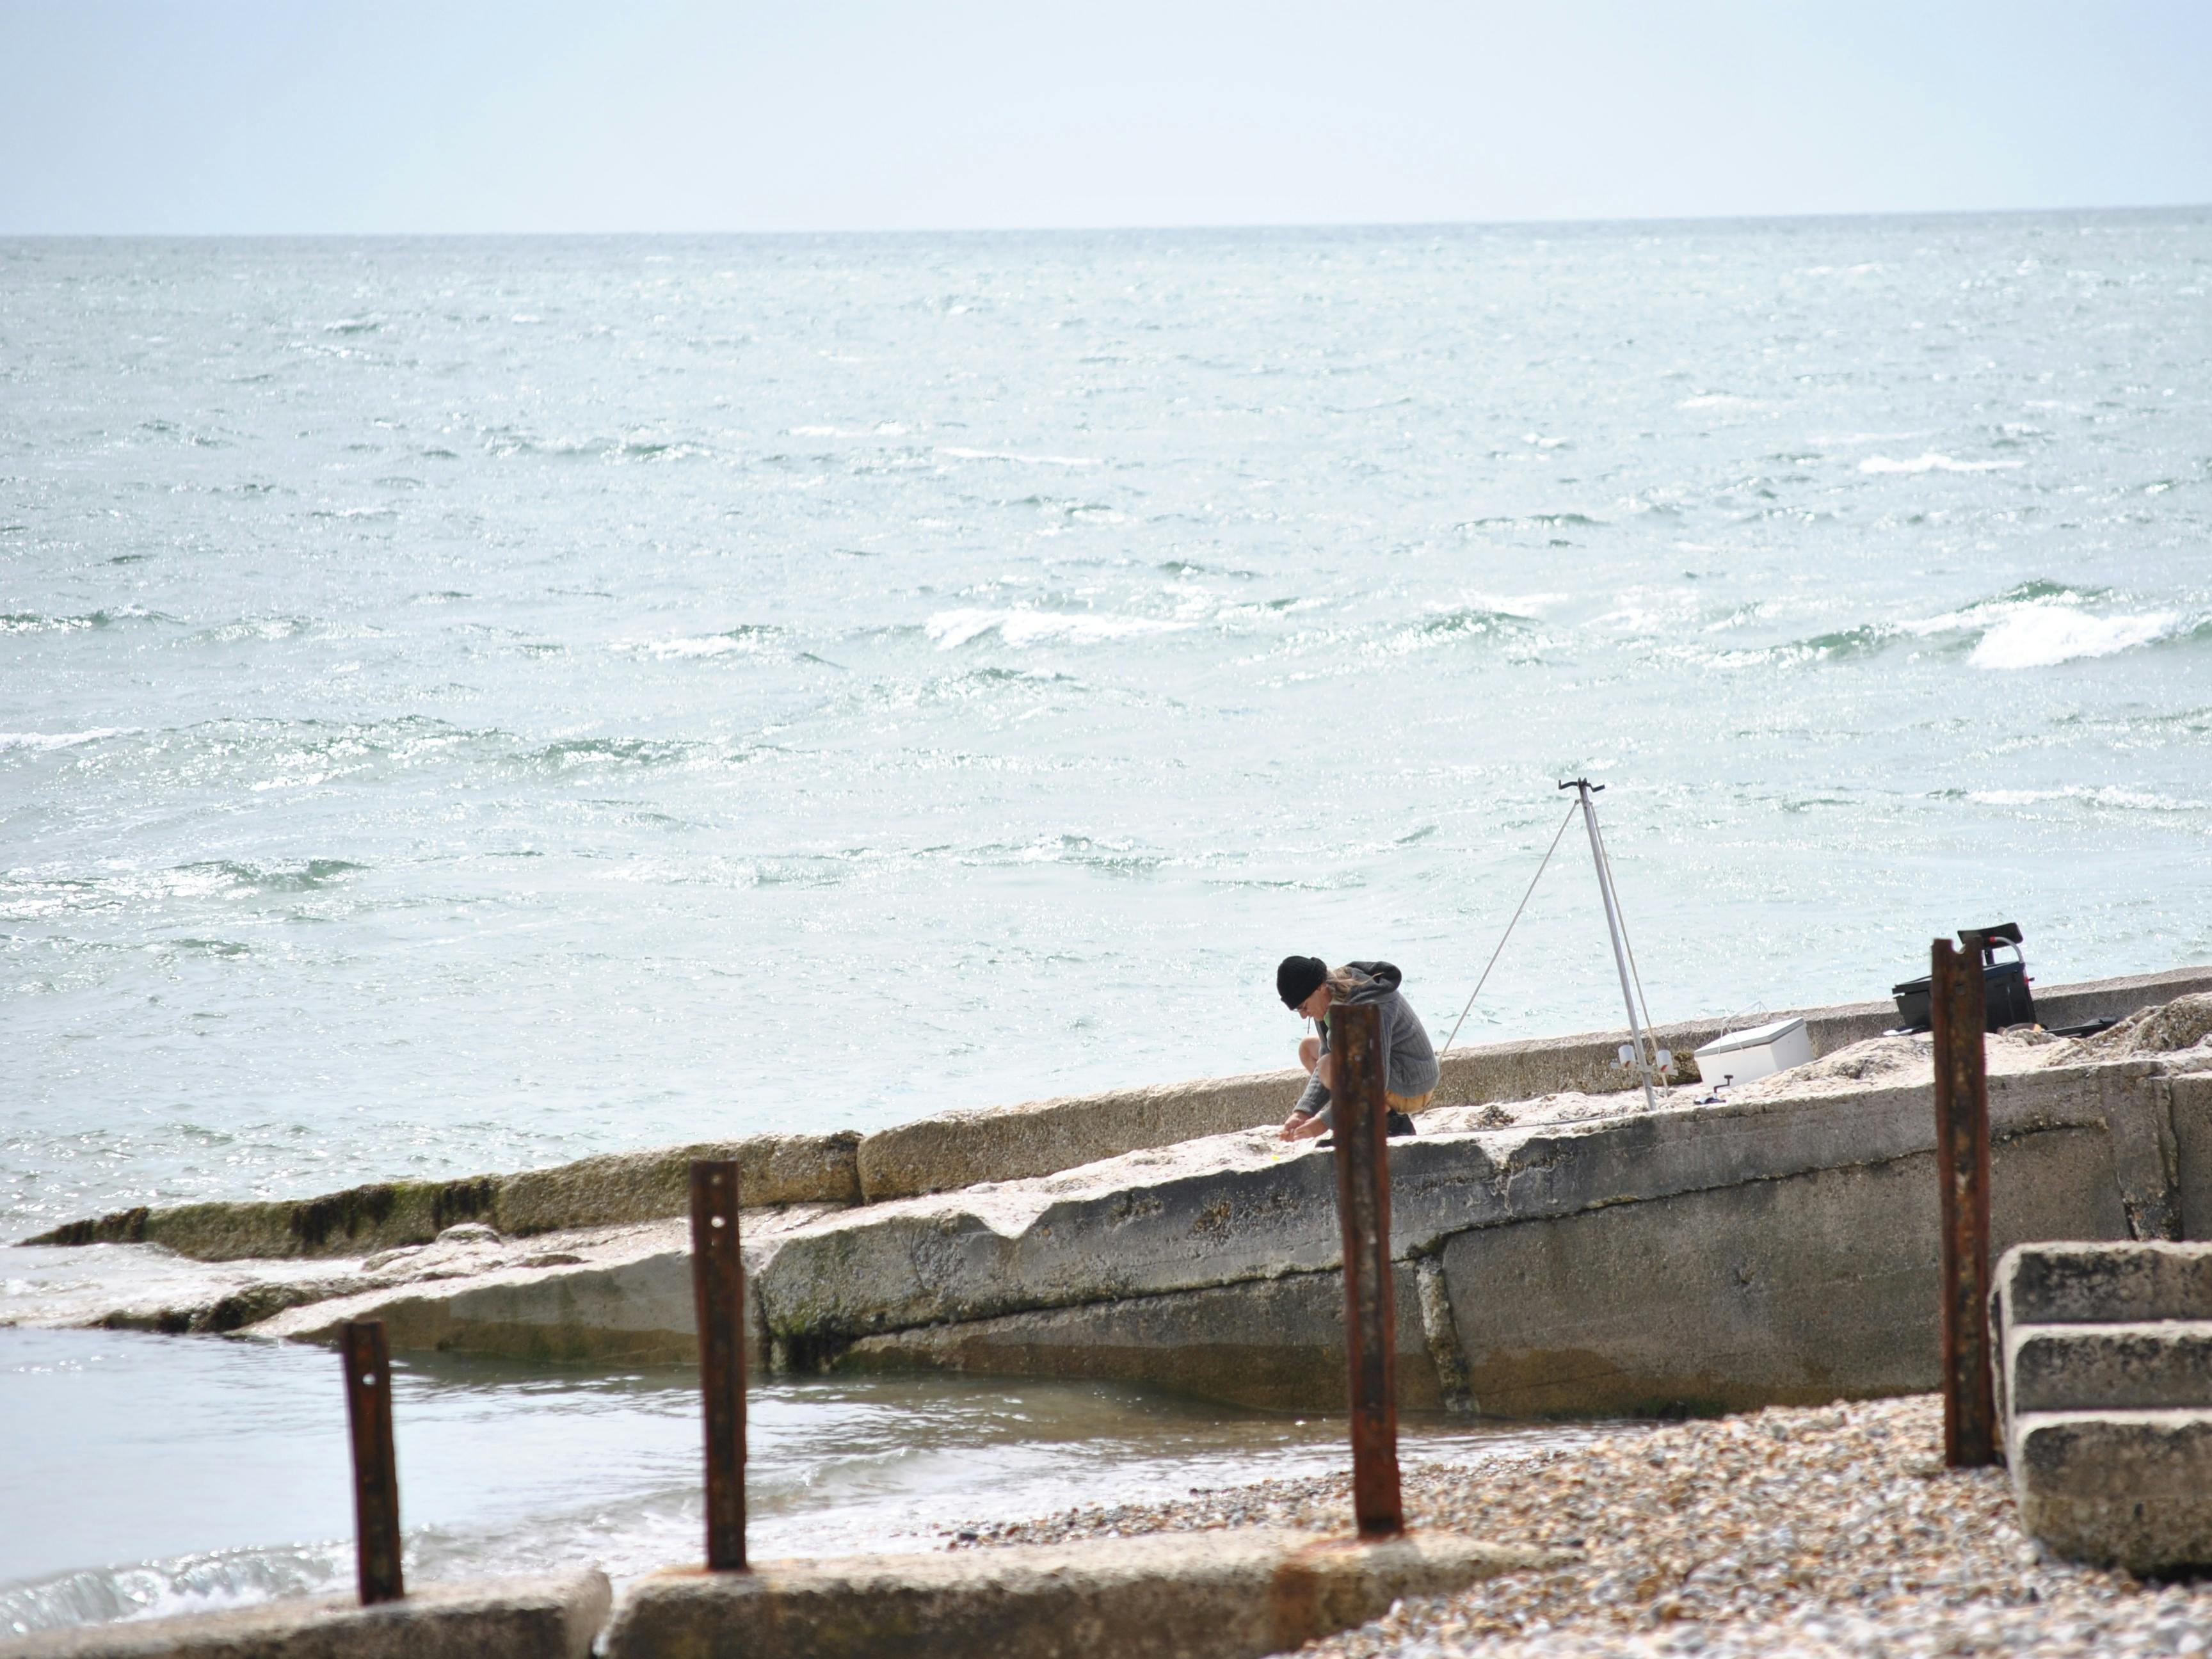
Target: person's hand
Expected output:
[1302,1126]
[1290,1129]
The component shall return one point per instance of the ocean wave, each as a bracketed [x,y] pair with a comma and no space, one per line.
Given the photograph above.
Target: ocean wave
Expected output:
[206,1582]
[570,753]
[1929,461]
[1719,400]
[311,876]
[1026,460]
[270,628]
[2040,623]
[45,740]
[33,622]
[2107,795]
[747,637]
[1466,623]
[1841,645]
[1533,521]
[952,629]
[2042,636]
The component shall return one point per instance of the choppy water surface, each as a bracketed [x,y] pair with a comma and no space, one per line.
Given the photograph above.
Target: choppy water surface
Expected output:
[475,703]
[184,1459]
[471,704]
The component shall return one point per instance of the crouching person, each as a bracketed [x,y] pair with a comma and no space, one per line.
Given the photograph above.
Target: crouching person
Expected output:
[1308,988]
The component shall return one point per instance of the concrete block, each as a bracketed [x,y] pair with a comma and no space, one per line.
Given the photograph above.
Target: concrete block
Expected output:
[617,1189]
[2081,1282]
[1274,1344]
[2189,1105]
[636,1312]
[1791,1291]
[959,1149]
[2100,999]
[547,1618]
[1193,1595]
[2162,1364]
[2127,1489]
[649,1185]
[1238,1207]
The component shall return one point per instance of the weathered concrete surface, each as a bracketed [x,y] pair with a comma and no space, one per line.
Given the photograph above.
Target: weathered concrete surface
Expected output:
[622,1296]
[1795,1290]
[2128,1489]
[2083,1283]
[2163,1364]
[607,1191]
[2106,1392]
[960,1149]
[2189,1108]
[1013,1143]
[1275,1343]
[1194,1595]
[1244,1206]
[547,1618]
[618,1294]
[1788,1234]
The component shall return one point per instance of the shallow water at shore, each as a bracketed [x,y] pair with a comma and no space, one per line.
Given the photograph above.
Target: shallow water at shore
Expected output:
[143,1474]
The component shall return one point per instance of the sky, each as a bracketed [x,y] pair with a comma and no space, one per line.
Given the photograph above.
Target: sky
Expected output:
[249,117]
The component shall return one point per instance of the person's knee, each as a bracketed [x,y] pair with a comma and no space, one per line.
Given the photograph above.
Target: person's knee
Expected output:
[1310,1052]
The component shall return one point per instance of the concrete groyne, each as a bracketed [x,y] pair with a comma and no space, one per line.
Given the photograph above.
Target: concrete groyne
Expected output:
[1575,1256]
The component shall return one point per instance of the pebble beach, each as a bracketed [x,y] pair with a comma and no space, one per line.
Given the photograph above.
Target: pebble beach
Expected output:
[1821,1531]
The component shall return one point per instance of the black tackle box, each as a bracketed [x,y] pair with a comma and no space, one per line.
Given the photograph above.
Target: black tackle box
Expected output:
[2004,985]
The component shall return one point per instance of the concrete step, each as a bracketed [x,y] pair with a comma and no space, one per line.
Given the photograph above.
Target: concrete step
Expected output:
[552,1617]
[2128,1489]
[2084,1283]
[1236,1595]
[2147,1365]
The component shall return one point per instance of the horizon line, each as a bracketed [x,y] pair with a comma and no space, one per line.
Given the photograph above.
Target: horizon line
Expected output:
[1564,222]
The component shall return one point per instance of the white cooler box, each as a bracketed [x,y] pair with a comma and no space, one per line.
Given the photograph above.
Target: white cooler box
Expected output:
[1741,1056]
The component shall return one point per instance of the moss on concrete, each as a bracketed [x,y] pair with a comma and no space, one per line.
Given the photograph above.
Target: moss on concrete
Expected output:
[613,1190]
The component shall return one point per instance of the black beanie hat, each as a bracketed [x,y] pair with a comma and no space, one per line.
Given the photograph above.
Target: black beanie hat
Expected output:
[1299,978]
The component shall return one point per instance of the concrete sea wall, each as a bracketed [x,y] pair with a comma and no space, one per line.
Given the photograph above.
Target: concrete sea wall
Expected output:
[1590,1260]
[952,1150]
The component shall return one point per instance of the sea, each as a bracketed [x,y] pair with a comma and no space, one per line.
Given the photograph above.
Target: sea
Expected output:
[467,704]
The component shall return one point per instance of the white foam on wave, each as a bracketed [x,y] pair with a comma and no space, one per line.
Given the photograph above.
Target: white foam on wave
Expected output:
[2041,635]
[950,629]
[1929,461]
[1026,460]
[711,645]
[2110,795]
[1719,400]
[41,740]
[746,639]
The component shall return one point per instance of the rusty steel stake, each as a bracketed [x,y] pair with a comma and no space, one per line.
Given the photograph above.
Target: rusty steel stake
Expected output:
[718,1290]
[1958,1011]
[375,1469]
[1370,1313]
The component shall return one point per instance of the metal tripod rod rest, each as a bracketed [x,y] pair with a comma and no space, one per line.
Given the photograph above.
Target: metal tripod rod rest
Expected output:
[1585,789]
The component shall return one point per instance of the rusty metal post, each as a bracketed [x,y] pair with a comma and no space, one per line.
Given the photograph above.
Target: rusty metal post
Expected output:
[718,1290]
[1958,1011]
[375,1469]
[1361,1117]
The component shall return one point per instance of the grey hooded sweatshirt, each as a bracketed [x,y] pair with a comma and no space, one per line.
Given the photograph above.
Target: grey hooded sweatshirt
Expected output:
[1409,1064]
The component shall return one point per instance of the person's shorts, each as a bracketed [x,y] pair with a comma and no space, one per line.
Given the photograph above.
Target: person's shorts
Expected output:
[1400,1109]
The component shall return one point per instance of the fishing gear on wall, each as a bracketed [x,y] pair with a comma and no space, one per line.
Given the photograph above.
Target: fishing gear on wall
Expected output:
[1642,1053]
